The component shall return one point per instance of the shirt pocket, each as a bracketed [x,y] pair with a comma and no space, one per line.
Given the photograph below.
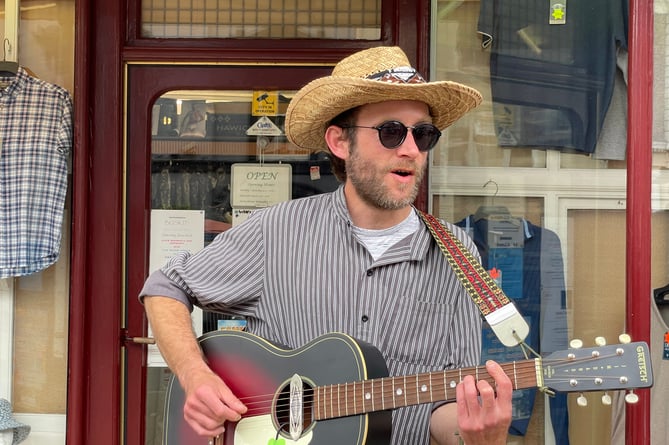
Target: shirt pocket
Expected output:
[414,332]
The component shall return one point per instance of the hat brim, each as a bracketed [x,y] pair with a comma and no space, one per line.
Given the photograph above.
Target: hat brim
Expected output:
[21,433]
[317,103]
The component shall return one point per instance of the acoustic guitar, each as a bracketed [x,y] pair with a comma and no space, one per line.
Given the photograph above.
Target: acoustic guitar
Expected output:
[336,390]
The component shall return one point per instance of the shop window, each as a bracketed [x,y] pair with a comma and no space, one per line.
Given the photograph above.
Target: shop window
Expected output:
[262,19]
[34,304]
[536,175]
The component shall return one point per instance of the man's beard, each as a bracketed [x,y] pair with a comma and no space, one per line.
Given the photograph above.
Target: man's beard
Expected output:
[367,179]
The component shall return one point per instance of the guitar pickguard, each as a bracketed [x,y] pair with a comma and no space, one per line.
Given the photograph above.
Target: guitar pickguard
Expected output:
[259,429]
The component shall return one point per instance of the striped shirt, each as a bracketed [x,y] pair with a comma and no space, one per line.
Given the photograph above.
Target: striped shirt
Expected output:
[297,271]
[36,138]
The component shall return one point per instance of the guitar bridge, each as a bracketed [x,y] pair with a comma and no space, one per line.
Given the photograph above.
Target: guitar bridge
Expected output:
[296,407]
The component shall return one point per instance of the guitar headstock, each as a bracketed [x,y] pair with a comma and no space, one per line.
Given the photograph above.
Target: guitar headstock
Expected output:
[600,368]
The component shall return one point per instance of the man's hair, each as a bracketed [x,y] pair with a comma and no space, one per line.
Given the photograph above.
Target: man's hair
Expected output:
[343,120]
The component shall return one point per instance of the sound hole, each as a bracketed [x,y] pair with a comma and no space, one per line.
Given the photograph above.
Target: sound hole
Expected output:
[282,408]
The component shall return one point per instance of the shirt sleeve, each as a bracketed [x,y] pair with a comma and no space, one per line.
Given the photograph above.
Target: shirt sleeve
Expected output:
[159,284]
[227,273]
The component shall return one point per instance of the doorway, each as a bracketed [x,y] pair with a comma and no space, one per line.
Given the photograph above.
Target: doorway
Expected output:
[189,128]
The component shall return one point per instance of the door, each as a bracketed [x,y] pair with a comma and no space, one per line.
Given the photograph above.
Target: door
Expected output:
[187,135]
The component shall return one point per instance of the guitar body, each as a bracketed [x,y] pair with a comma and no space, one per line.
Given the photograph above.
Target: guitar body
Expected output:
[259,373]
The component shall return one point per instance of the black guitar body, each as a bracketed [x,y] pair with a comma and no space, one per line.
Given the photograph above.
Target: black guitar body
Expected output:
[259,373]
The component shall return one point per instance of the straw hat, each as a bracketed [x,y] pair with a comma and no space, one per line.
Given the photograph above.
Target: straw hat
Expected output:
[7,422]
[371,76]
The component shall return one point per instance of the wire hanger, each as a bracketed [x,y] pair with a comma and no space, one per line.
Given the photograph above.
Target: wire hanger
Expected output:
[7,66]
[484,212]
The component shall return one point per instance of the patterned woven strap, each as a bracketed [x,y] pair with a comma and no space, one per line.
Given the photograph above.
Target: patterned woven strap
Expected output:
[479,284]
[500,313]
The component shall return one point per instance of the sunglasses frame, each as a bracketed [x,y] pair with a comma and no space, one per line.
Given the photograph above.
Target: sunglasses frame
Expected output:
[405,130]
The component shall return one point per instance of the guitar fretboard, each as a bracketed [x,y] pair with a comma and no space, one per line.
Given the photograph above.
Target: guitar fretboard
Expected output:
[349,399]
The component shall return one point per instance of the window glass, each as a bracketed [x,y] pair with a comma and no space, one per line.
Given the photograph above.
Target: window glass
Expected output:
[38,331]
[262,19]
[536,175]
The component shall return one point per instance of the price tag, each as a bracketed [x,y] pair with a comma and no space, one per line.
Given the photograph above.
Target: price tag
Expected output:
[558,12]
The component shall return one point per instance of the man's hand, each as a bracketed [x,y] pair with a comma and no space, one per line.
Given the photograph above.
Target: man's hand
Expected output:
[209,403]
[484,412]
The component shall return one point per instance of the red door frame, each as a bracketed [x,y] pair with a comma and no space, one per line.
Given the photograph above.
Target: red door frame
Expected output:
[639,166]
[95,411]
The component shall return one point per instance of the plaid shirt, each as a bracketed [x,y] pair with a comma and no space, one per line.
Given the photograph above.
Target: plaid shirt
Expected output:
[36,139]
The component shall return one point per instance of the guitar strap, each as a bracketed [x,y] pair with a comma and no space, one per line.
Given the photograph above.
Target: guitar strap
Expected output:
[500,313]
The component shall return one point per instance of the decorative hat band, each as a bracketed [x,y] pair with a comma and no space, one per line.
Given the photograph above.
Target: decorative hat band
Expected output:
[401,74]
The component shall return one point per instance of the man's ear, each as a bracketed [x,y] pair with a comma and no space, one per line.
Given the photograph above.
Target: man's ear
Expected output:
[337,141]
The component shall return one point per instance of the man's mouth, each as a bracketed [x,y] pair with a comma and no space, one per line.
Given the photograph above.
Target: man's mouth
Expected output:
[403,173]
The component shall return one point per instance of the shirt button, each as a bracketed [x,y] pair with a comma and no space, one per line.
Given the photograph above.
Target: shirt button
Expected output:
[365,319]
[370,273]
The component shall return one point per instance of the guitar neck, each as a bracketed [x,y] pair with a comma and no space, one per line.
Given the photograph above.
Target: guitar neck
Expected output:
[348,399]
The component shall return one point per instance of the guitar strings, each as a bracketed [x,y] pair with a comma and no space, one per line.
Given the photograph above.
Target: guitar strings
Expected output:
[386,387]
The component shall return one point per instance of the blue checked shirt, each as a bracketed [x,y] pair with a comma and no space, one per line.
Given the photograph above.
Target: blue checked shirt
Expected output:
[296,271]
[36,140]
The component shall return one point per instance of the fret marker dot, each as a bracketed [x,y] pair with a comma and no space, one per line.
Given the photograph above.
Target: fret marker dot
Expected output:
[398,391]
[453,384]
[423,388]
[368,396]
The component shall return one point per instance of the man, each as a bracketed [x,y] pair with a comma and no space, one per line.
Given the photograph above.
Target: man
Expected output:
[357,260]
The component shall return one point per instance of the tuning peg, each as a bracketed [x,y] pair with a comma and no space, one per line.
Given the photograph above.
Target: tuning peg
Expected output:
[625,339]
[581,400]
[606,399]
[576,343]
[631,397]
[600,341]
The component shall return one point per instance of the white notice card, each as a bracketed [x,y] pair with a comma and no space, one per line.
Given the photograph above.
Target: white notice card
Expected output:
[174,231]
[255,186]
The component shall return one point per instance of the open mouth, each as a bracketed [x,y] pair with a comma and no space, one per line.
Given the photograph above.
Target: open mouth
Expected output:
[403,173]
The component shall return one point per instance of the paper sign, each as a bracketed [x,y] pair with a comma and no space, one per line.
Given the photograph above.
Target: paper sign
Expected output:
[260,185]
[174,231]
[264,127]
[265,103]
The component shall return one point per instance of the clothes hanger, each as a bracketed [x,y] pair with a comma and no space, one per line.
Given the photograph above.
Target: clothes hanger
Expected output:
[661,295]
[485,212]
[7,66]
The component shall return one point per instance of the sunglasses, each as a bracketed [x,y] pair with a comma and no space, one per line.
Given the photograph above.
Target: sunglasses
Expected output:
[393,133]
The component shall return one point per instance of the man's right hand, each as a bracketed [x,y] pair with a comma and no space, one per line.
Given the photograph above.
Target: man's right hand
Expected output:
[209,403]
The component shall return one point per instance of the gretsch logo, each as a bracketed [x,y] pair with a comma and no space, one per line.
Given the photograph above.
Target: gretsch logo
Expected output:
[641,361]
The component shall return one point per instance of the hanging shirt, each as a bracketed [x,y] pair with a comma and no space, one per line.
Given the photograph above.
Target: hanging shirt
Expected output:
[35,142]
[552,68]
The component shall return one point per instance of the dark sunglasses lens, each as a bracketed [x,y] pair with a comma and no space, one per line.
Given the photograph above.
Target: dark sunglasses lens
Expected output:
[426,136]
[392,134]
